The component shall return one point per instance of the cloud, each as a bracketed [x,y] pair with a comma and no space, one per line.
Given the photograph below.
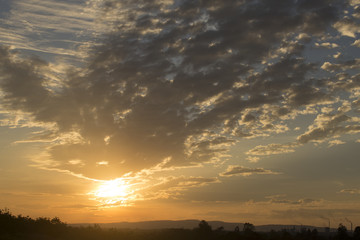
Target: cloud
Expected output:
[329,125]
[271,149]
[324,213]
[356,43]
[173,84]
[252,159]
[351,190]
[173,187]
[77,206]
[245,171]
[347,27]
[50,28]
[335,142]
[354,2]
[332,67]
[327,45]
[337,55]
[280,199]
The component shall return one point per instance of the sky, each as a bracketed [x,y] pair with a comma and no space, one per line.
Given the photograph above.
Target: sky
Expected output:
[234,110]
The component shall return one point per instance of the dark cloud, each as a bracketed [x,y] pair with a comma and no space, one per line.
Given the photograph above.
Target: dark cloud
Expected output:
[176,83]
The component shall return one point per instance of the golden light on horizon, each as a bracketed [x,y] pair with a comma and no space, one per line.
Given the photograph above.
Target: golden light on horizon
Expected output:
[113,192]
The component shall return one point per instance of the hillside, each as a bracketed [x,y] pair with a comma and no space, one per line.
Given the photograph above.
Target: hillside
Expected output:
[191,224]
[25,228]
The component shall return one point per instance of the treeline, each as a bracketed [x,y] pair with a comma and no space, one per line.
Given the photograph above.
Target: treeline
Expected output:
[20,227]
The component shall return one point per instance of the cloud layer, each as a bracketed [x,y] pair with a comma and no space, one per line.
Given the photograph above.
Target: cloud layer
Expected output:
[176,83]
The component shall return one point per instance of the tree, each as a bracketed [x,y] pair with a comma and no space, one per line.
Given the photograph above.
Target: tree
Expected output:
[356,235]
[248,227]
[342,232]
[204,231]
[204,227]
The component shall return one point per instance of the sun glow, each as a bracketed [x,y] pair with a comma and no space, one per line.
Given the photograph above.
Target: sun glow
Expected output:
[113,192]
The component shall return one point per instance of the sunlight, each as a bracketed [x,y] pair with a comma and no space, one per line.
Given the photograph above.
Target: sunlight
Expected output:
[112,192]
[112,188]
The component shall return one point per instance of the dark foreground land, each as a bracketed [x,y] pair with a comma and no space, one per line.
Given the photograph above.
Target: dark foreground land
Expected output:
[20,227]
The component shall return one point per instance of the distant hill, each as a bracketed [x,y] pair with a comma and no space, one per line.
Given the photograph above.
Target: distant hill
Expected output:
[190,224]
[25,228]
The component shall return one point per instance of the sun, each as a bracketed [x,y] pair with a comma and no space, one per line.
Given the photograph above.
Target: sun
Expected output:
[112,192]
[112,188]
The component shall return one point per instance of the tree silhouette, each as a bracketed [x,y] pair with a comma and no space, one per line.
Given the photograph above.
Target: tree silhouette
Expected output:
[356,234]
[248,227]
[204,227]
[342,232]
[25,228]
[204,231]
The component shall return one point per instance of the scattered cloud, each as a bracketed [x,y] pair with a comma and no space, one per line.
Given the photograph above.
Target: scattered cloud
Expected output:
[354,2]
[327,45]
[245,171]
[281,199]
[337,55]
[324,213]
[351,191]
[327,126]
[271,149]
[335,142]
[173,187]
[172,85]
[332,67]
[253,159]
[356,43]
[347,27]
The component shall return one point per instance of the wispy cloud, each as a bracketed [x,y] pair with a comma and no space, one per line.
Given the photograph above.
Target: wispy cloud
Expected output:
[245,171]
[56,28]
[351,190]
[325,213]
[173,187]
[281,199]
[335,142]
[271,149]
